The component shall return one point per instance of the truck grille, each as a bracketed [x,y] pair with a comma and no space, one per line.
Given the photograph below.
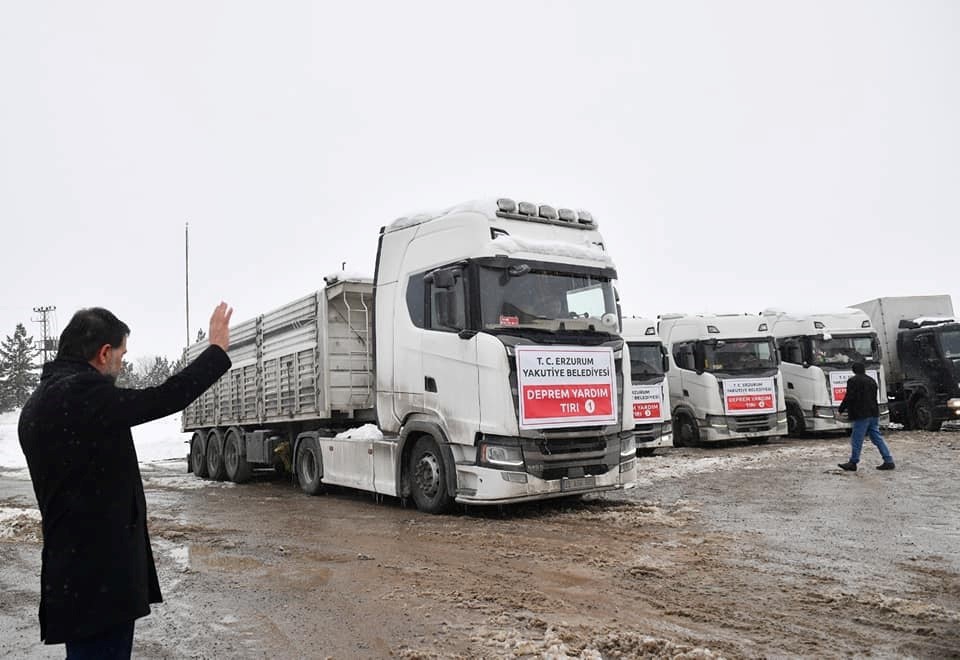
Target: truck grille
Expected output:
[752,423]
[554,458]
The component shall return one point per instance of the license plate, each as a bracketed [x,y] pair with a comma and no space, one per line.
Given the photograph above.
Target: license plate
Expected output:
[578,483]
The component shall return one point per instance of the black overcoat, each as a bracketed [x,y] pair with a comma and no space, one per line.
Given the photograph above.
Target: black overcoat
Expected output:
[860,401]
[98,568]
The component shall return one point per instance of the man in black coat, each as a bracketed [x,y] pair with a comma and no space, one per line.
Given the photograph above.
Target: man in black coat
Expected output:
[98,574]
[860,403]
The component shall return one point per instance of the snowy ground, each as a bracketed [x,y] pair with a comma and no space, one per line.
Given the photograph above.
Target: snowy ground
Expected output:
[155,441]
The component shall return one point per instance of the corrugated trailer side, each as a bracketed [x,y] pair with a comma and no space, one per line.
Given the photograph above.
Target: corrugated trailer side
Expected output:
[310,361]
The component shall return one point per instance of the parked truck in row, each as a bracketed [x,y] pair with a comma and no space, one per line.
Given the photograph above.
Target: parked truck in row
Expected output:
[650,390]
[725,381]
[482,364]
[920,342]
[817,352]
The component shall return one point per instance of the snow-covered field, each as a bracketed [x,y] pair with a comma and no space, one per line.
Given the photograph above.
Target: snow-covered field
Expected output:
[155,441]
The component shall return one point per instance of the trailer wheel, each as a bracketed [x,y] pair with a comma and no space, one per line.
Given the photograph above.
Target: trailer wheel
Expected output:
[428,477]
[685,431]
[308,466]
[922,414]
[795,422]
[198,455]
[215,467]
[235,457]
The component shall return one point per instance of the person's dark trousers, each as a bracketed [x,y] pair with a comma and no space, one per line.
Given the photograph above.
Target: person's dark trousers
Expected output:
[114,643]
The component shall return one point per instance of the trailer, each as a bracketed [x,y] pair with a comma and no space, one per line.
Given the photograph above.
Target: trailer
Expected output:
[481,364]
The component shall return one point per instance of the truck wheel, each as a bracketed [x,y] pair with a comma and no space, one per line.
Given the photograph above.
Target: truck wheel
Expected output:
[795,422]
[198,455]
[235,457]
[428,477]
[685,431]
[215,467]
[308,466]
[923,417]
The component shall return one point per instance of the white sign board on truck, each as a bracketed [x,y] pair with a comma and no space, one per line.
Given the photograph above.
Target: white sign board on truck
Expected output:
[566,386]
[746,396]
[838,384]
[648,402]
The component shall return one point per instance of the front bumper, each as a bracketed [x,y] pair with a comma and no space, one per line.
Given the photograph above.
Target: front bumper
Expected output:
[482,485]
[719,428]
[650,436]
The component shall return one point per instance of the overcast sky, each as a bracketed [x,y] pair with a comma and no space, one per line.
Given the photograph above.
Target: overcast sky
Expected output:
[738,155]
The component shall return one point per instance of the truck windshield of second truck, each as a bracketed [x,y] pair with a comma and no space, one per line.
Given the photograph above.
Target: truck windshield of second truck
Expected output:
[739,355]
[546,300]
[844,350]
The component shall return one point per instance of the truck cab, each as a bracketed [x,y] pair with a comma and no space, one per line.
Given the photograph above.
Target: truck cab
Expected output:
[817,352]
[724,378]
[929,350]
[650,389]
[498,346]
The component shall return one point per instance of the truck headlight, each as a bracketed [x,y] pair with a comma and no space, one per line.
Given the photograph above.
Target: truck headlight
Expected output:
[953,403]
[501,455]
[628,446]
[826,412]
[717,421]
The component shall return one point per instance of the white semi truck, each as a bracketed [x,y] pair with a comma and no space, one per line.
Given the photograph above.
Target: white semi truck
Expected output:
[920,341]
[817,352]
[650,389]
[725,381]
[482,364]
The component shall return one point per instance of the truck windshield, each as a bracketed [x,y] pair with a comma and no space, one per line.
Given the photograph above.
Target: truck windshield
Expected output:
[950,342]
[843,350]
[739,355]
[645,360]
[520,296]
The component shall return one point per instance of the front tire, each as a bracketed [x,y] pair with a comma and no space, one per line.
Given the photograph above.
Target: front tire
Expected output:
[198,454]
[215,467]
[428,477]
[309,467]
[235,457]
[795,422]
[686,433]
[922,415]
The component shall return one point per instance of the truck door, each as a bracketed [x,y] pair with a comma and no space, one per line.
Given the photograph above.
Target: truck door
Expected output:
[449,361]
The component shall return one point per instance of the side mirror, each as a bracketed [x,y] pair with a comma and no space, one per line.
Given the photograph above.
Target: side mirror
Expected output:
[806,365]
[446,309]
[665,359]
[443,278]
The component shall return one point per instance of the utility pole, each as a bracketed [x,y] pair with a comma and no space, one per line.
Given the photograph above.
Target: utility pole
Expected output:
[49,344]
[186,274]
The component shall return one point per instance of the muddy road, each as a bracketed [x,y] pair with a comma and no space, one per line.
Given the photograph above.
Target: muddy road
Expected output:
[745,551]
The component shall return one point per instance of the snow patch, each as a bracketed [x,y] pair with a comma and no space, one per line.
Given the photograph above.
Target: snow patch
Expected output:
[585,250]
[158,440]
[365,432]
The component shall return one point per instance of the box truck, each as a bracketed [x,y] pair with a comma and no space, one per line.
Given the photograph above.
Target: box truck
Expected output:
[817,352]
[481,364]
[649,387]
[724,378]
[920,343]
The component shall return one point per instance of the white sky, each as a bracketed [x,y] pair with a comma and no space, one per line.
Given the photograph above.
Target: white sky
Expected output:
[738,155]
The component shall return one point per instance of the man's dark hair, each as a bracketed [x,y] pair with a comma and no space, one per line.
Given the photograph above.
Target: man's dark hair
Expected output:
[88,330]
[859,369]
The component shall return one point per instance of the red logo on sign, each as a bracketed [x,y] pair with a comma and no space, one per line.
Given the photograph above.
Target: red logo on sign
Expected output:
[750,402]
[839,393]
[509,320]
[646,410]
[545,401]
